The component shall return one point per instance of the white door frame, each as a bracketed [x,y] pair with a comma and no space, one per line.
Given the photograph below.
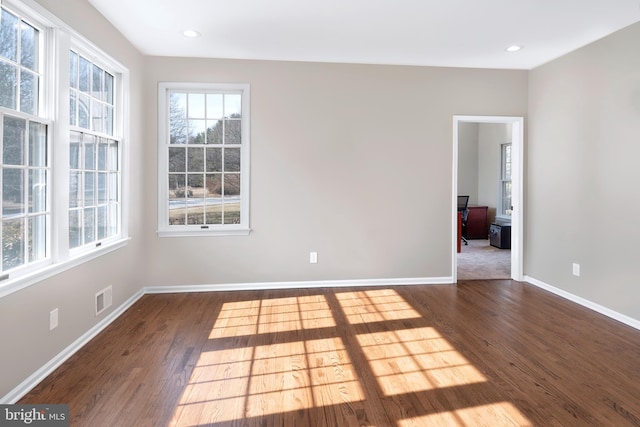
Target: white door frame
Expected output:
[517,174]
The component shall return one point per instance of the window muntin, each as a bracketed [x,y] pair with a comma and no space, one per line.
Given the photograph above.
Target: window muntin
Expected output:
[505,204]
[204,159]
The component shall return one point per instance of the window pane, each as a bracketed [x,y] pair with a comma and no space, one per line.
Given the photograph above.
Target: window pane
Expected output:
[73,108]
[113,187]
[232,160]
[103,189]
[232,131]
[37,238]
[108,88]
[232,105]
[13,141]
[28,92]
[84,75]
[75,199]
[83,111]
[89,188]
[74,150]
[113,156]
[178,118]
[73,70]
[96,80]
[8,85]
[38,190]
[75,236]
[102,222]
[214,131]
[196,131]
[177,159]
[196,160]
[12,192]
[89,232]
[9,36]
[29,47]
[13,241]
[214,159]
[103,150]
[89,152]
[97,120]
[214,184]
[231,184]
[196,106]
[113,220]
[108,119]
[214,106]
[37,144]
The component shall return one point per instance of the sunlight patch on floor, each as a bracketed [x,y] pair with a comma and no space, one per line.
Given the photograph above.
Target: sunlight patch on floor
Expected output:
[375,306]
[247,382]
[495,414]
[272,315]
[413,360]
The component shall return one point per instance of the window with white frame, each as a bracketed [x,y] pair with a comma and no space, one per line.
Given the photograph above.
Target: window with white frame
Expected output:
[504,188]
[25,163]
[61,156]
[94,174]
[203,159]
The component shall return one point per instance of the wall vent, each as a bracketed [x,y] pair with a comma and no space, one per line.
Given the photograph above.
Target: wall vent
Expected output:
[104,299]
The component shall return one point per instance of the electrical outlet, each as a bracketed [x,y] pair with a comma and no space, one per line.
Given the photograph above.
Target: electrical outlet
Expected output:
[576,269]
[53,319]
[313,257]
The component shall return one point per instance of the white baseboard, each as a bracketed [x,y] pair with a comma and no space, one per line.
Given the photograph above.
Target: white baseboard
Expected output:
[23,388]
[299,285]
[630,321]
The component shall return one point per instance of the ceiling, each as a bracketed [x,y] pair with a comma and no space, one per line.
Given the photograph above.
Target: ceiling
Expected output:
[454,33]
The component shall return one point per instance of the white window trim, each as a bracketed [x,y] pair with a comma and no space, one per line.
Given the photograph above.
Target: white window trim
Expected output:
[164,229]
[59,39]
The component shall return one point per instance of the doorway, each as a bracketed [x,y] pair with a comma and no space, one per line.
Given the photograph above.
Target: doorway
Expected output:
[517,141]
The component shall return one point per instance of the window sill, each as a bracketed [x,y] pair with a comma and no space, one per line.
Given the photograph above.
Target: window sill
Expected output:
[240,231]
[13,285]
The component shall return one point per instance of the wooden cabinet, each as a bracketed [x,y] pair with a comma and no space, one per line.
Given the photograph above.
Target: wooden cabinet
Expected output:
[478,222]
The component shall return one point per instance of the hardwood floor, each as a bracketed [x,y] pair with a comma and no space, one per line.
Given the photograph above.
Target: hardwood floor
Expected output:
[492,353]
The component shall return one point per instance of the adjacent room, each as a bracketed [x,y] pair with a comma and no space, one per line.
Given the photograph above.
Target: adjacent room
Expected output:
[246,213]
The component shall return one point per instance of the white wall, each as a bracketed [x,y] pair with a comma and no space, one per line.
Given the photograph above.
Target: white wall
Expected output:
[351,161]
[27,343]
[468,161]
[490,138]
[582,172]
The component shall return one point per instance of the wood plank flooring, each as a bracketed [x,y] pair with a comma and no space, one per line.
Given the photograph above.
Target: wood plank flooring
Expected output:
[492,353]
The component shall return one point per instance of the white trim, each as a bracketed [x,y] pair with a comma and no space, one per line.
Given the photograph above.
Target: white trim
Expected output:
[630,321]
[517,190]
[34,379]
[298,285]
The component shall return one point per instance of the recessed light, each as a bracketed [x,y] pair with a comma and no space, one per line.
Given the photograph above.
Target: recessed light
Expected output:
[191,34]
[514,48]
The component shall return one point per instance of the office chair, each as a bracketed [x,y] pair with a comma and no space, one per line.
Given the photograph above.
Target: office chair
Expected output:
[463,206]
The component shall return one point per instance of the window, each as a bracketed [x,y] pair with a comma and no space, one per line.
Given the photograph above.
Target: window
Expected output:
[94,201]
[25,162]
[204,159]
[504,196]
[61,157]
